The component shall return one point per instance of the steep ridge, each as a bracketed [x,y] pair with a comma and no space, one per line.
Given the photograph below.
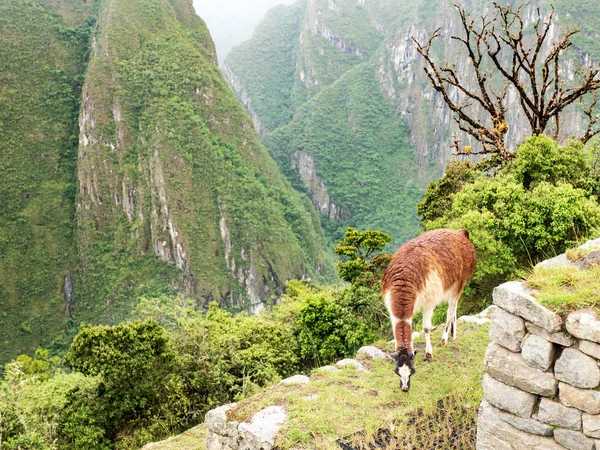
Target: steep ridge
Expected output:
[43,54]
[368,44]
[169,193]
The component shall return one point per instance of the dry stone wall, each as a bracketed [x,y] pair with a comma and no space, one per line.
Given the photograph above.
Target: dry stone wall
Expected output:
[541,387]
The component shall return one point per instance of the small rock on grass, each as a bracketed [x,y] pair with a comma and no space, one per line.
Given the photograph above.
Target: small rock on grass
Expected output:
[351,362]
[296,379]
[371,352]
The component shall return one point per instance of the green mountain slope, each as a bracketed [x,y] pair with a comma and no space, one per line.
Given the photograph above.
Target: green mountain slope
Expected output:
[348,112]
[168,190]
[43,53]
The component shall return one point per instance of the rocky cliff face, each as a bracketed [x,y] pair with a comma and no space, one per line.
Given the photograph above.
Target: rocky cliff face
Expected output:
[166,191]
[364,42]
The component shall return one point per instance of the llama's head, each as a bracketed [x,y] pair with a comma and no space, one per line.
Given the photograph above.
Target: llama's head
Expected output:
[405,367]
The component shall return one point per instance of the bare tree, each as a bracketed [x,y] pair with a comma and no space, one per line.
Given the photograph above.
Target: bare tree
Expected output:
[499,45]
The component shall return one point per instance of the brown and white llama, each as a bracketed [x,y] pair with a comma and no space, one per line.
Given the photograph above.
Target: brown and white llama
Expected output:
[426,271]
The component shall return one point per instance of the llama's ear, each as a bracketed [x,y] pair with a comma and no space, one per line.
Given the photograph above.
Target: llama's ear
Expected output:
[395,356]
[415,352]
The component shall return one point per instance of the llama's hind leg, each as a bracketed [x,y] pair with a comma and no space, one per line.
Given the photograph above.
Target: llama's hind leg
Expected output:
[454,322]
[450,318]
[427,315]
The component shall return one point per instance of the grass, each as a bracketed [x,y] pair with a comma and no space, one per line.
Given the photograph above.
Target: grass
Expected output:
[439,409]
[566,289]
[192,439]
[576,254]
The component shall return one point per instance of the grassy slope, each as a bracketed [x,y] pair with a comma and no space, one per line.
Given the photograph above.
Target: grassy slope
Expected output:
[156,65]
[360,146]
[42,59]
[362,151]
[440,408]
[152,95]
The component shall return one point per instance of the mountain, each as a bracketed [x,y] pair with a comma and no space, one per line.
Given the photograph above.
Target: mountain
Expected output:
[338,93]
[129,170]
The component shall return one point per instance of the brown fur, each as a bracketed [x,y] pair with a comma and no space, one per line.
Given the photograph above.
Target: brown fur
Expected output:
[447,252]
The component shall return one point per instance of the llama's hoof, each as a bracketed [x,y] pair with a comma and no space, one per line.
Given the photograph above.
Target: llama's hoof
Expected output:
[443,343]
[428,357]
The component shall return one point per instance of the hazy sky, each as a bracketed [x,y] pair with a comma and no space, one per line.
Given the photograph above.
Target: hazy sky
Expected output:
[232,21]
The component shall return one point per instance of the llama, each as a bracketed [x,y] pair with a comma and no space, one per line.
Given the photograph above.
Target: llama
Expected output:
[426,271]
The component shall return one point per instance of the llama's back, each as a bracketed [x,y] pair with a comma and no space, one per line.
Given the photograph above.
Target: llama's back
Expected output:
[431,267]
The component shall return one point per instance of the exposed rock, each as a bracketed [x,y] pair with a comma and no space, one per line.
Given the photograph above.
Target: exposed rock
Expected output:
[351,362]
[585,399]
[584,325]
[589,260]
[508,398]
[560,338]
[487,312]
[327,369]
[591,425]
[511,369]
[538,352]
[516,298]
[590,348]
[592,243]
[371,352]
[577,369]
[507,330]
[474,319]
[222,435]
[558,261]
[260,433]
[495,434]
[304,163]
[555,413]
[296,379]
[216,419]
[527,425]
[573,440]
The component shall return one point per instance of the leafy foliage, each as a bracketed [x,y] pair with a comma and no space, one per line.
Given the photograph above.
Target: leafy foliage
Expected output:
[359,263]
[531,210]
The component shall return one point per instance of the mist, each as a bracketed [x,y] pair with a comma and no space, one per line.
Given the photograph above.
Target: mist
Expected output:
[231,22]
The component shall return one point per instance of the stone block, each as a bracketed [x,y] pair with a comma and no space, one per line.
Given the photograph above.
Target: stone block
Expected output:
[508,398]
[296,379]
[216,419]
[584,324]
[560,337]
[516,298]
[511,369]
[260,432]
[573,440]
[495,434]
[507,330]
[584,399]
[538,352]
[371,352]
[528,425]
[487,312]
[577,369]
[555,413]
[351,363]
[591,425]
[590,348]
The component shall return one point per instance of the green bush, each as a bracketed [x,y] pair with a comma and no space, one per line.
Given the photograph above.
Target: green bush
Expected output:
[528,211]
[326,330]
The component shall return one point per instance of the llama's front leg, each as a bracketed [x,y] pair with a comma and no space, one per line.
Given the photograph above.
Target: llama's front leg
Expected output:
[427,315]
[449,323]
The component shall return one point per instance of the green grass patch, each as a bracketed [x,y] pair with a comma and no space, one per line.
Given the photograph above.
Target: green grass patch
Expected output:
[192,439]
[440,407]
[566,289]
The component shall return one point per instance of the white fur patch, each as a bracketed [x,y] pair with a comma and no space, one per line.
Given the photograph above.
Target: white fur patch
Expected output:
[404,373]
